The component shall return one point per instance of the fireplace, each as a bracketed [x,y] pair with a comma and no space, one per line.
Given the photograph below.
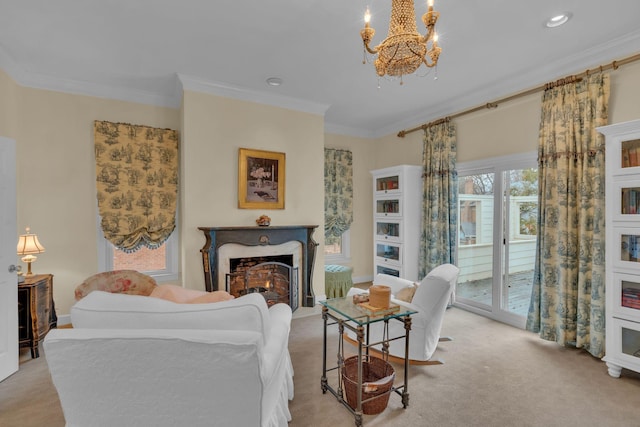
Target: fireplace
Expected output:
[293,246]
[274,277]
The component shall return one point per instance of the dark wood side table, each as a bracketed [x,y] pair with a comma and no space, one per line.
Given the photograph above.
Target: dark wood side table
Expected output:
[36,310]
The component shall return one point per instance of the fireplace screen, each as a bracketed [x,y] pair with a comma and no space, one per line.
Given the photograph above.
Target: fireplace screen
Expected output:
[275,281]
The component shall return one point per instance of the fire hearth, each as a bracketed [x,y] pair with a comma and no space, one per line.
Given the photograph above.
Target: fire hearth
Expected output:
[263,243]
[275,281]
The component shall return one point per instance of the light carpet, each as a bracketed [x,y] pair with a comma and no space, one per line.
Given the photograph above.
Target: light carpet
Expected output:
[494,375]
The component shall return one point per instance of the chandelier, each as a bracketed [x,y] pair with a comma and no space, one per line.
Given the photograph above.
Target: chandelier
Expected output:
[404,49]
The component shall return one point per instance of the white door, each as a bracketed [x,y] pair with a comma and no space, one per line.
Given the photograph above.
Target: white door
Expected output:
[8,257]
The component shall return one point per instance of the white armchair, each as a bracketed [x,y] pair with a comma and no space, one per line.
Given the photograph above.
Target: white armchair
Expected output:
[141,361]
[430,301]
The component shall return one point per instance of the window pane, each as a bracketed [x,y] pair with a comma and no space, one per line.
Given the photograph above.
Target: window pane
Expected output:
[521,240]
[475,233]
[468,221]
[333,246]
[528,218]
[144,259]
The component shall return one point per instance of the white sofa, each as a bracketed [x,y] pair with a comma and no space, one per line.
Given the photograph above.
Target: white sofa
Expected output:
[432,295]
[132,360]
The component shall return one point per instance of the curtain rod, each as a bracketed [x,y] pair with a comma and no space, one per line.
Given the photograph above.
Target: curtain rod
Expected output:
[490,105]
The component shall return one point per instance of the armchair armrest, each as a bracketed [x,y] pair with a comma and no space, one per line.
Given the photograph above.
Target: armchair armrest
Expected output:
[418,319]
[278,342]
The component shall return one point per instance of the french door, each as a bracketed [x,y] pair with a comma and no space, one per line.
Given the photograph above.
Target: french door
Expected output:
[498,205]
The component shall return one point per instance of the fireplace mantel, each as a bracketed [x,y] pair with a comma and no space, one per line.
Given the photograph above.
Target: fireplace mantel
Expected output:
[260,236]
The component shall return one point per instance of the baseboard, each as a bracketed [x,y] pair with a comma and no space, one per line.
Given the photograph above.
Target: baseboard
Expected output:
[362,279]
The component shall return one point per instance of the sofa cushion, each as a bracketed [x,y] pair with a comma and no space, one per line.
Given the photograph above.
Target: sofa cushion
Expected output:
[406,294]
[104,310]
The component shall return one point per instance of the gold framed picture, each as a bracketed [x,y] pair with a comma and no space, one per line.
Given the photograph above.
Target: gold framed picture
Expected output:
[260,179]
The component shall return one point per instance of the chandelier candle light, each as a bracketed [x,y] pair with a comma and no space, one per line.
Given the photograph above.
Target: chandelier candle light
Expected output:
[404,49]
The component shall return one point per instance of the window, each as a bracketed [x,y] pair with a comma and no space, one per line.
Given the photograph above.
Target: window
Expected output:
[160,263]
[527,214]
[337,250]
[468,218]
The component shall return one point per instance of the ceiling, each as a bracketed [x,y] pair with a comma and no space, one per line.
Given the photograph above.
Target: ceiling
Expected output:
[148,50]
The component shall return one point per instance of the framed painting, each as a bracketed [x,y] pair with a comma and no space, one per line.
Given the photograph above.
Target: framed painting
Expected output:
[260,179]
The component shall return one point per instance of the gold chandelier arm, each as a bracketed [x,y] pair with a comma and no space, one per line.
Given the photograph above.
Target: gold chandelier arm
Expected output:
[428,36]
[433,54]
[371,51]
[367,34]
[424,61]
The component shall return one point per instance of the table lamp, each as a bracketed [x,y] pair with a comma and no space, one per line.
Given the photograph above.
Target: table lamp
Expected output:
[28,245]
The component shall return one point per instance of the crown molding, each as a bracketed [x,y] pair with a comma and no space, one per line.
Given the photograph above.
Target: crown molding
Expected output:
[196,84]
[348,130]
[78,87]
[9,65]
[99,90]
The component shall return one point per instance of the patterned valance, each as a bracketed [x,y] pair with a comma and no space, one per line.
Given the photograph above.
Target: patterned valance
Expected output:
[137,183]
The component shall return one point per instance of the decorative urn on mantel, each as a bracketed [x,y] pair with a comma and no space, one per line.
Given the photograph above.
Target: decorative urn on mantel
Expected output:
[263,221]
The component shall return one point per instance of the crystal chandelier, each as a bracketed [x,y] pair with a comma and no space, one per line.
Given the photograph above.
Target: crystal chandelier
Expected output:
[404,49]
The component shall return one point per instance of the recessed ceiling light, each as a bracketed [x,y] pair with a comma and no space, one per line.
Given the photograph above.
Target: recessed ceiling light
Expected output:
[274,81]
[557,20]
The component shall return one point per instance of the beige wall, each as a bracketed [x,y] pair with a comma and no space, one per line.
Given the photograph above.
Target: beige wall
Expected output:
[510,129]
[624,104]
[56,191]
[214,128]
[56,177]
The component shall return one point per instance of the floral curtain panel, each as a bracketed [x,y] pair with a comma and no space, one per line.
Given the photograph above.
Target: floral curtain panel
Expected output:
[338,193]
[440,197]
[568,296]
[137,183]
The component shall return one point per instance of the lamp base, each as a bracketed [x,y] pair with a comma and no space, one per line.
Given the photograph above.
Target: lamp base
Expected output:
[29,272]
[29,259]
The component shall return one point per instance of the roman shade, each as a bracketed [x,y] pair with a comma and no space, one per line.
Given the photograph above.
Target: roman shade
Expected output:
[137,183]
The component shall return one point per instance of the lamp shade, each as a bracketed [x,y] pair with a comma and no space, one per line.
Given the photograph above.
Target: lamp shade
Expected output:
[28,244]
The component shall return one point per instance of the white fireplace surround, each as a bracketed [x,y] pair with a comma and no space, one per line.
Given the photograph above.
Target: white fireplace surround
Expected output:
[230,251]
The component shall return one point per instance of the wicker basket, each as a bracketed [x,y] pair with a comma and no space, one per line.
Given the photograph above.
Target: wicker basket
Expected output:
[377,380]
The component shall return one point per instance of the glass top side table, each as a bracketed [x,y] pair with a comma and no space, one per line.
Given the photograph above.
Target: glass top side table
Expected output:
[353,313]
[344,313]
